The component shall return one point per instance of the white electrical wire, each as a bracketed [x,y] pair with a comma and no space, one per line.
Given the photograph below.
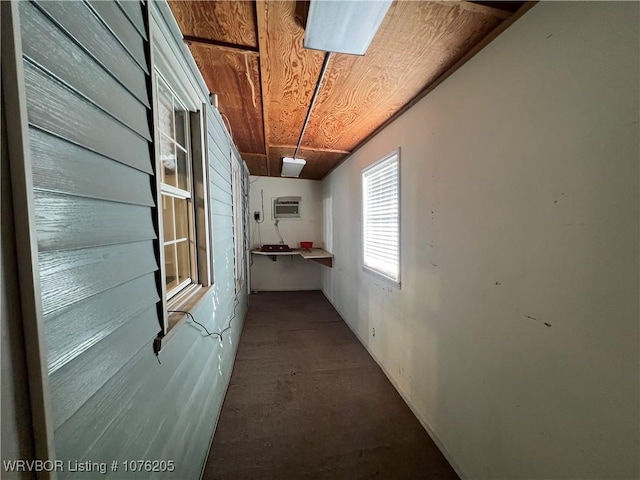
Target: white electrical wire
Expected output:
[278,231]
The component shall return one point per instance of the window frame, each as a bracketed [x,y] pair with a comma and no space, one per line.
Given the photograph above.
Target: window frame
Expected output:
[239,228]
[183,297]
[168,190]
[365,171]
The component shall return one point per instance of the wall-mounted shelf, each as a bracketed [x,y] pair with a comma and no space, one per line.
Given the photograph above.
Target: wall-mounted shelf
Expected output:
[317,255]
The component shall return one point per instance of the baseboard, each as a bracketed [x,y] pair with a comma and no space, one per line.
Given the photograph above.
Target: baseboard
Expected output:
[405,397]
[226,389]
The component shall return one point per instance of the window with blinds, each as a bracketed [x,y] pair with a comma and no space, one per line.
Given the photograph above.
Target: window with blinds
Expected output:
[381,216]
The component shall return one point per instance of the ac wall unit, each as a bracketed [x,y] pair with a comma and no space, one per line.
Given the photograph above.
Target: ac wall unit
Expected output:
[286,207]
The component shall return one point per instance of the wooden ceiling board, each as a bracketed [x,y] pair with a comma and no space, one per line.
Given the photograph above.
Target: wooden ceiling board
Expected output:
[416,43]
[289,71]
[235,77]
[257,163]
[251,54]
[319,163]
[231,22]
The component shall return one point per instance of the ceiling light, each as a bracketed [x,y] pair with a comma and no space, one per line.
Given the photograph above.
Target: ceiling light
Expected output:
[291,167]
[344,26]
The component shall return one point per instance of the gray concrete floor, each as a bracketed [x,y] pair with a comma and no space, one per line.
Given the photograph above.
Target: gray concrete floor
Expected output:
[307,401]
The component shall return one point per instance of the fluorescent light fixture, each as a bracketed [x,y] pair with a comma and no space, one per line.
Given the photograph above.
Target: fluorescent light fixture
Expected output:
[291,167]
[344,26]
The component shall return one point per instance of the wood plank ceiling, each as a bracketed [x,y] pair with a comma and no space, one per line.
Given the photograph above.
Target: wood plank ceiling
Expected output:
[251,54]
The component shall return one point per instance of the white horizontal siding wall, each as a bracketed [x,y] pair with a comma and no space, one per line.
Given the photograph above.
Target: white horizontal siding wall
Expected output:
[87,72]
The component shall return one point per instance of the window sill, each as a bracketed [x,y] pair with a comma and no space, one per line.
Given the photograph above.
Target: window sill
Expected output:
[381,276]
[186,301]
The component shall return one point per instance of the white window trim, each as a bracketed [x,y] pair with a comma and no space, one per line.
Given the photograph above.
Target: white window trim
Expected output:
[238,222]
[371,270]
[247,225]
[176,192]
[185,296]
[166,51]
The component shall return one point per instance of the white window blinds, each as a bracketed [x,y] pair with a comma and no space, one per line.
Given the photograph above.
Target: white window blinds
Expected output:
[381,217]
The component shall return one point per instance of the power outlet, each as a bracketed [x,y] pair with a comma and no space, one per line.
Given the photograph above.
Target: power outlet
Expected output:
[373,332]
[256,216]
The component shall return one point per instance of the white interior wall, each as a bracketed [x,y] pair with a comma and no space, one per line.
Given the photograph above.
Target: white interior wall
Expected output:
[287,273]
[514,336]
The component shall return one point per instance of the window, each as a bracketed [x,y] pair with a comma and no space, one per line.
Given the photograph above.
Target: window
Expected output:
[175,191]
[181,187]
[238,221]
[381,217]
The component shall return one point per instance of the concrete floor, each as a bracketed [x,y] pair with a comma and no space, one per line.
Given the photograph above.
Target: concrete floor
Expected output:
[306,401]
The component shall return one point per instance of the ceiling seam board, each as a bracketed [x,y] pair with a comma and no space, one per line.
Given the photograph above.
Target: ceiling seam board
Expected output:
[319,149]
[222,45]
[325,65]
[265,124]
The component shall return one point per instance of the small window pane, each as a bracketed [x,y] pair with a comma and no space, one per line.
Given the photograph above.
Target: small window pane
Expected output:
[181,218]
[184,264]
[168,218]
[168,157]
[165,110]
[183,172]
[180,119]
[170,267]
